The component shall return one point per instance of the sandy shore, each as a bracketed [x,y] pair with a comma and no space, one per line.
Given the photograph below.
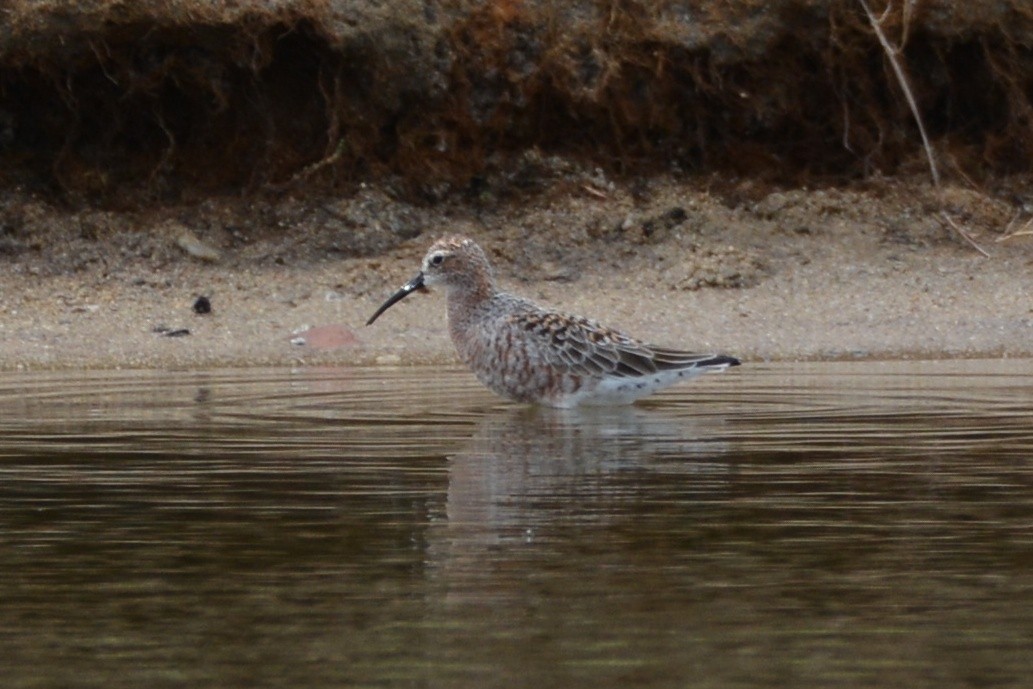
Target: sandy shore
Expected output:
[872,272]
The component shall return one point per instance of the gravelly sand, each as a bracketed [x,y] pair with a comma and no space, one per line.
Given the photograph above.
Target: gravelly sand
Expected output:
[798,275]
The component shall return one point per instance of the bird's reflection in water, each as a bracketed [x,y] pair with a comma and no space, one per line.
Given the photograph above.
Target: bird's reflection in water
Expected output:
[531,472]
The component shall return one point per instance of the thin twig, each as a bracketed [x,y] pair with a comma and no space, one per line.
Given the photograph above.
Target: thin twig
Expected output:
[1025,231]
[100,62]
[892,53]
[906,12]
[339,150]
[170,150]
[1007,228]
[967,237]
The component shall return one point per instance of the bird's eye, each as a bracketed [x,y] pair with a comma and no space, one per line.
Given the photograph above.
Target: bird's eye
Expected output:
[436,259]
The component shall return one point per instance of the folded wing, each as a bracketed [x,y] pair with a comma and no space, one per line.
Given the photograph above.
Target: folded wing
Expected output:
[586,348]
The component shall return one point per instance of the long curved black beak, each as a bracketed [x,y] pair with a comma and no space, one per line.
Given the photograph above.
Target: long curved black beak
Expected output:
[408,288]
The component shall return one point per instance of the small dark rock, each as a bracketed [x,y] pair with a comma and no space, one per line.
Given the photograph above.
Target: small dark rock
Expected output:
[202,305]
[676,216]
[170,332]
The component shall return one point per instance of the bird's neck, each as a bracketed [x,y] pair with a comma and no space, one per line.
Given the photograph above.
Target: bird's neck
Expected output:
[465,306]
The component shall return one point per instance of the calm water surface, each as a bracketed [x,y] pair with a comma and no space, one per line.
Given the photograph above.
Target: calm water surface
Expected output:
[862,524]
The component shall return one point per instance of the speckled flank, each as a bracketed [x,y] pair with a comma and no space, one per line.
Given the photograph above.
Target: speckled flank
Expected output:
[529,354]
